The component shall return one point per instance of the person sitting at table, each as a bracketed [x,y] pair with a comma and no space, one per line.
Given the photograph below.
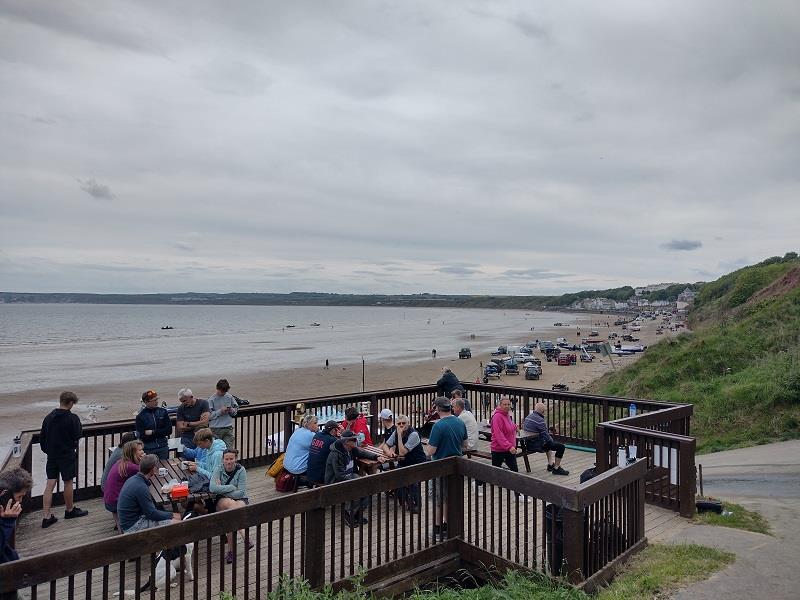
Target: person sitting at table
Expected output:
[229,481]
[341,467]
[458,394]
[406,444]
[320,448]
[387,421]
[125,468]
[295,461]
[544,442]
[136,507]
[208,452]
[357,423]
[462,412]
[115,455]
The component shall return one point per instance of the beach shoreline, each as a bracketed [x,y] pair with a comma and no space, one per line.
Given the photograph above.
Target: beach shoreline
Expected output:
[110,401]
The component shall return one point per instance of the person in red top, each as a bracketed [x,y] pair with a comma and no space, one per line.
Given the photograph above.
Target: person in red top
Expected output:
[357,423]
[504,436]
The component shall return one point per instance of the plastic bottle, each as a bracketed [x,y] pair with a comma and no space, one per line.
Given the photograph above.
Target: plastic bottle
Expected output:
[632,410]
[622,456]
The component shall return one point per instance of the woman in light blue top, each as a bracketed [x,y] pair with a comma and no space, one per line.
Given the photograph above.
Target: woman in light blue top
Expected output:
[229,480]
[296,458]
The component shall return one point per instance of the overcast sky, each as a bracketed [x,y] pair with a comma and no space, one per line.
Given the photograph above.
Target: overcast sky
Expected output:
[394,147]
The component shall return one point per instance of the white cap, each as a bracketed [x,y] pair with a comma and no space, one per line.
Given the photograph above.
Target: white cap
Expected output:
[386,414]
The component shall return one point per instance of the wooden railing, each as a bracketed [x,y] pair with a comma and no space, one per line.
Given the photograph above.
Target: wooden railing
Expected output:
[591,421]
[518,522]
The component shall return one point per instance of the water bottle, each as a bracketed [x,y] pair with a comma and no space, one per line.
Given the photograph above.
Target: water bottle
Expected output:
[632,410]
[17,446]
[622,456]
[360,437]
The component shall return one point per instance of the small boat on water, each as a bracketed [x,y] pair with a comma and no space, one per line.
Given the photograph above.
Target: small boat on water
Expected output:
[289,326]
[315,324]
[167,327]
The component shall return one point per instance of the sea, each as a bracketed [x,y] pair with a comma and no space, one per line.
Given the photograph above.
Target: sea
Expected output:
[51,345]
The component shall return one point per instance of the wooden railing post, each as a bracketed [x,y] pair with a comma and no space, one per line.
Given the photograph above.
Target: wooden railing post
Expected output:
[455,505]
[373,422]
[314,547]
[526,405]
[687,478]
[573,523]
[287,426]
[601,454]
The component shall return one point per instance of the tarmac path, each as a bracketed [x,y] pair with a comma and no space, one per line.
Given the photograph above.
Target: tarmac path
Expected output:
[762,478]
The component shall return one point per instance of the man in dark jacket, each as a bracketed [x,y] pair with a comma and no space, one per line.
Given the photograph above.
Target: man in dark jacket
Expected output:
[61,430]
[341,467]
[135,506]
[320,448]
[447,383]
[544,442]
[154,426]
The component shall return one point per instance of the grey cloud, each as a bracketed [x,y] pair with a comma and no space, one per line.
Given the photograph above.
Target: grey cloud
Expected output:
[532,274]
[184,246]
[96,190]
[682,245]
[234,77]
[530,28]
[458,270]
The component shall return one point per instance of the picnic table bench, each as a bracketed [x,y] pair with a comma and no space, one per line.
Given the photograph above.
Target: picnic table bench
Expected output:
[485,431]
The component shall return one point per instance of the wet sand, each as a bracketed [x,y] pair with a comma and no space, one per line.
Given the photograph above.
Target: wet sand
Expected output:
[113,401]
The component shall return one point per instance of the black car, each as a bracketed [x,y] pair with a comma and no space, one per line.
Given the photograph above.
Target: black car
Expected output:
[532,372]
[465,353]
[512,368]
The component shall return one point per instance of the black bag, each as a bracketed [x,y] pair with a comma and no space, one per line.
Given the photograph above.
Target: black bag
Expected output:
[588,474]
[198,483]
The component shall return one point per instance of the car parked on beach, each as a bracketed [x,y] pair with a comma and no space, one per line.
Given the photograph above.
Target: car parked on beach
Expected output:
[465,353]
[511,368]
[500,350]
[533,372]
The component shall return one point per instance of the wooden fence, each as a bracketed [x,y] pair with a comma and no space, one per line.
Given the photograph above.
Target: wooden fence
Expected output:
[517,521]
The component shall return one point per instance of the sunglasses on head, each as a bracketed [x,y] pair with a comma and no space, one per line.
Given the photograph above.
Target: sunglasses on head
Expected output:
[150,395]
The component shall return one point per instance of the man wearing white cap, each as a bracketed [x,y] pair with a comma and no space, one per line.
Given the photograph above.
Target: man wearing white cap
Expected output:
[192,415]
[387,422]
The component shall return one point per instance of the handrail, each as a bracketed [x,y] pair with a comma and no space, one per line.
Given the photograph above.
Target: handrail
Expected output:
[81,558]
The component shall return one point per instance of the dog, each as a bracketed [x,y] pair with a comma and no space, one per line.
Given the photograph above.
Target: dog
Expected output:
[168,561]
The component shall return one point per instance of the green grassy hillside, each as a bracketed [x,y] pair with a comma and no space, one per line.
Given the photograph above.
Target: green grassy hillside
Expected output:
[749,322]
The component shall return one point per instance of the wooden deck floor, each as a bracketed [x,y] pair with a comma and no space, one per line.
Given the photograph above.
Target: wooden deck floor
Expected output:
[278,542]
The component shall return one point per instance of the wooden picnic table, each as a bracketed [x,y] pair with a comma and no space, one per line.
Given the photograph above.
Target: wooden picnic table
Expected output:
[485,431]
[175,471]
[369,466]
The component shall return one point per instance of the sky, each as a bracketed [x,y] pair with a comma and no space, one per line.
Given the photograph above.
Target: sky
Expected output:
[394,147]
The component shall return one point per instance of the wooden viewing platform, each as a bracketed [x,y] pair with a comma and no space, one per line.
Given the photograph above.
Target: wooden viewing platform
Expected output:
[303,534]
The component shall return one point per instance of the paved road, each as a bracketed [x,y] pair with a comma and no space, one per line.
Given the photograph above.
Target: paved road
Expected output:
[766,479]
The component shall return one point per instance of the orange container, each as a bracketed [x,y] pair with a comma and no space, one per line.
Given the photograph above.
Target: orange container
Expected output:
[180,491]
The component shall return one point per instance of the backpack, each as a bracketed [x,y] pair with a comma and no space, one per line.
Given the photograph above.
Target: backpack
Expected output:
[285,481]
[276,467]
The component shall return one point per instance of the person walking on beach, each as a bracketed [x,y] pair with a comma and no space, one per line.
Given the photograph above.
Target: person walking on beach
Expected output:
[61,430]
[154,426]
[223,408]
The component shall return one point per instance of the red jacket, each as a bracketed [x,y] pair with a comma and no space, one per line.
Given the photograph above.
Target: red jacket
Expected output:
[360,425]
[504,432]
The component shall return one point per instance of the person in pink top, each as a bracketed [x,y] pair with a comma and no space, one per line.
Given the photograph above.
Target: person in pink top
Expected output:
[123,469]
[504,436]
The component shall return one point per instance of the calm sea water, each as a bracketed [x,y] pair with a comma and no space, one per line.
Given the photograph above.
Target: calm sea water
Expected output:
[50,345]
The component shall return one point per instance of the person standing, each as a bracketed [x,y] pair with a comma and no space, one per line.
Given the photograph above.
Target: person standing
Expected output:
[14,485]
[154,426]
[223,408]
[61,431]
[544,442]
[193,414]
[448,438]
[504,436]
[447,383]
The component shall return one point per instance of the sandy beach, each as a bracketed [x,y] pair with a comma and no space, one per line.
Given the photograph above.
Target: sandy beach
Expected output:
[112,401]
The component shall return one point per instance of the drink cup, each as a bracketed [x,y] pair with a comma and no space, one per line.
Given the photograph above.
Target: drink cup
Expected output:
[162,471]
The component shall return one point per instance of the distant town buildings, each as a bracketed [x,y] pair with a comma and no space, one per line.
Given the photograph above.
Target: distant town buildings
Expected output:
[656,287]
